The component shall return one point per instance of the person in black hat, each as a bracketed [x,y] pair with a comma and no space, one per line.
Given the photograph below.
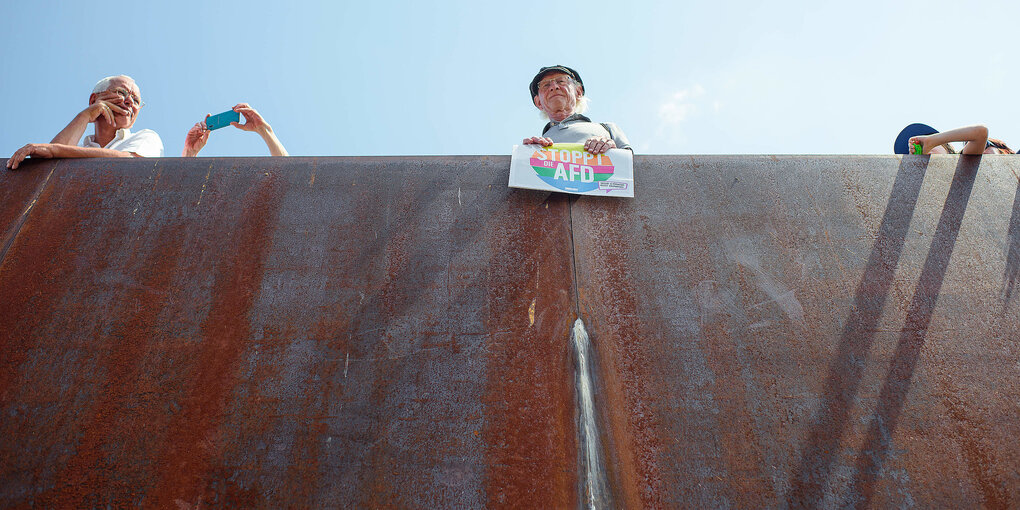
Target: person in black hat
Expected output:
[559,93]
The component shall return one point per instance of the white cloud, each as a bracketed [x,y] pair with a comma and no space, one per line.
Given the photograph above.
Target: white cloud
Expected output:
[680,105]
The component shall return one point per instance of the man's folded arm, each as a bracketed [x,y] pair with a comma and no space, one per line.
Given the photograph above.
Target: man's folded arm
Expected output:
[74,130]
[60,150]
[73,151]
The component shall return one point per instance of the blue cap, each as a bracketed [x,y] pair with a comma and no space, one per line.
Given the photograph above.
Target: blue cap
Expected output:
[917,129]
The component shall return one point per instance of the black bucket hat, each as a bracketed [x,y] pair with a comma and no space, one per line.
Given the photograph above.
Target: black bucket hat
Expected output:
[553,69]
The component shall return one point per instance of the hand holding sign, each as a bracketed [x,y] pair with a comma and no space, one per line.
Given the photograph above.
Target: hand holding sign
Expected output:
[538,140]
[599,144]
[573,169]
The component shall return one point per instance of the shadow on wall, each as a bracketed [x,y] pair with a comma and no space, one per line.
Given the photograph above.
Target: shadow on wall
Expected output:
[1009,278]
[908,349]
[846,370]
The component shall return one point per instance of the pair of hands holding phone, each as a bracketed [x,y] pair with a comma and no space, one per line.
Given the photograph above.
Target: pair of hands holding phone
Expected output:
[198,135]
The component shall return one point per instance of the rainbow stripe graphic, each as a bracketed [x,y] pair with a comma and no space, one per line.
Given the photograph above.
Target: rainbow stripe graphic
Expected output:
[569,167]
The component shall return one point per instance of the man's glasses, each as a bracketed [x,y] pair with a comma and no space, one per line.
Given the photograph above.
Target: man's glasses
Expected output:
[561,81]
[126,95]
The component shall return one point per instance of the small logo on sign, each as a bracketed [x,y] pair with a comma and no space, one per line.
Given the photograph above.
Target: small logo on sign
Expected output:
[613,185]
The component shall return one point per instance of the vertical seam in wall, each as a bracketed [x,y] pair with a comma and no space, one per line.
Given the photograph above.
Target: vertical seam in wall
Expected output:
[592,470]
[573,254]
[595,494]
[12,234]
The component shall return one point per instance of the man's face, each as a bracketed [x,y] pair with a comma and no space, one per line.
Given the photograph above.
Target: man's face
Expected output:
[557,95]
[124,93]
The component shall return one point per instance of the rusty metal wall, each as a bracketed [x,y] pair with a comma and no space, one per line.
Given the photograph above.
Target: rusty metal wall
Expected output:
[808,331]
[395,332]
[285,333]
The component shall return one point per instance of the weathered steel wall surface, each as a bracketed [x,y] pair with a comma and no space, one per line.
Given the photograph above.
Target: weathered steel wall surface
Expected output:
[394,332]
[808,331]
[284,333]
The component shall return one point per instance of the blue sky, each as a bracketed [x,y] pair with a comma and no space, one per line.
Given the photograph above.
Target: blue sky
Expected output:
[409,78]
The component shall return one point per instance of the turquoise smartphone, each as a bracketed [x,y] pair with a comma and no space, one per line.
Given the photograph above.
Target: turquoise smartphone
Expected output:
[222,120]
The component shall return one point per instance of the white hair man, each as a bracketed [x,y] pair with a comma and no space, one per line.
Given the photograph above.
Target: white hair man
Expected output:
[559,93]
[113,107]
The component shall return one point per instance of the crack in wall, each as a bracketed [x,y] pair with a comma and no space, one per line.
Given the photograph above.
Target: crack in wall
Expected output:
[12,234]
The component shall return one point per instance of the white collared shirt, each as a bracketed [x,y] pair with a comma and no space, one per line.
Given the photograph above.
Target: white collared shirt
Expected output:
[144,143]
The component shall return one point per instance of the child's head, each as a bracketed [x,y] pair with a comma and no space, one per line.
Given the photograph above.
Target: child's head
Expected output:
[996,146]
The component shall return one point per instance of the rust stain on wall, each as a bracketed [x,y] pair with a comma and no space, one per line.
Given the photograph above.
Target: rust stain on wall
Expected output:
[530,430]
[37,275]
[192,439]
[115,418]
[396,334]
[623,362]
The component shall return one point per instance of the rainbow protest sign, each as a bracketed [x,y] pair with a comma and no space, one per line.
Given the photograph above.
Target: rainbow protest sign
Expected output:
[567,167]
